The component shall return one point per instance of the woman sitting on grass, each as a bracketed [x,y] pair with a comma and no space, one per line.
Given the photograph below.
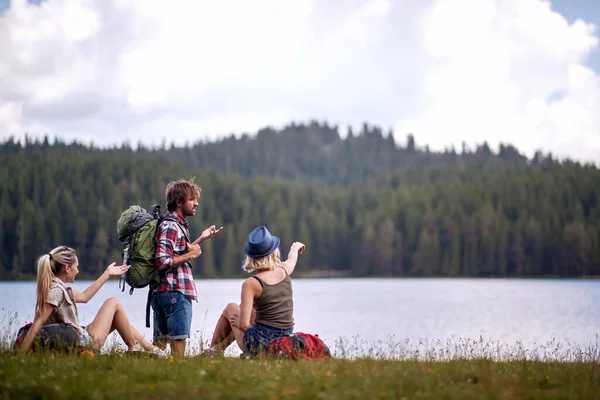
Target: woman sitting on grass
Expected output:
[56,303]
[269,292]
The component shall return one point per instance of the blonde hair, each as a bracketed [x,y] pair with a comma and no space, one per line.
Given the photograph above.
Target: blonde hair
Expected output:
[48,266]
[180,191]
[265,263]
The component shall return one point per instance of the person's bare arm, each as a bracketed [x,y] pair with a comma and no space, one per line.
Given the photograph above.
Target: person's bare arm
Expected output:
[208,233]
[250,290]
[38,322]
[111,270]
[289,264]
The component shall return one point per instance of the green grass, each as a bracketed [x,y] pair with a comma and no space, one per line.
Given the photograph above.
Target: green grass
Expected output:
[443,372]
[386,369]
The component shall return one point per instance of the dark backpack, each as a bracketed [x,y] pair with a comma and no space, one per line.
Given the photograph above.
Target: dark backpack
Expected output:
[299,345]
[136,228]
[57,337]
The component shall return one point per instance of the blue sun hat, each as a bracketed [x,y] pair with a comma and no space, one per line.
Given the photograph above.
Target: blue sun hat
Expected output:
[260,243]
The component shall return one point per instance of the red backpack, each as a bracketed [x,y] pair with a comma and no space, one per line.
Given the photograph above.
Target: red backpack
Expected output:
[299,345]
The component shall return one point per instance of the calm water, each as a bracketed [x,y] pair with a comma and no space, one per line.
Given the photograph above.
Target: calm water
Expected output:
[365,314]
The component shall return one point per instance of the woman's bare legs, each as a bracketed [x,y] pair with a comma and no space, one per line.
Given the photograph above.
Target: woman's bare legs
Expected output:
[112,316]
[225,331]
[145,343]
[223,335]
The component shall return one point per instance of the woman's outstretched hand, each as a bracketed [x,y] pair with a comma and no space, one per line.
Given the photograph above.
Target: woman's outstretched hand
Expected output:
[116,270]
[298,246]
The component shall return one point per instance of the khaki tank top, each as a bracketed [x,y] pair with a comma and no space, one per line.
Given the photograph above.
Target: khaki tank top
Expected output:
[275,306]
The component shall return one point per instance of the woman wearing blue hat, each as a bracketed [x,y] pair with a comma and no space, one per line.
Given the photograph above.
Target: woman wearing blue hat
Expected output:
[267,308]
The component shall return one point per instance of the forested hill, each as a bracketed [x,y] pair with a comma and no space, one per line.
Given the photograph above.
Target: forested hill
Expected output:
[361,204]
[312,152]
[317,153]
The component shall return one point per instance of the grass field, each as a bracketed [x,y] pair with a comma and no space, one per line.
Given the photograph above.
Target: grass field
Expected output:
[464,371]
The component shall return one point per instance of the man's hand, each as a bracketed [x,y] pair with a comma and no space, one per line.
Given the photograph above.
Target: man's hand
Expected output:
[194,250]
[209,233]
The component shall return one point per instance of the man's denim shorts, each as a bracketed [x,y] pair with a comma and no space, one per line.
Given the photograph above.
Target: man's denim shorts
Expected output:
[172,315]
[258,337]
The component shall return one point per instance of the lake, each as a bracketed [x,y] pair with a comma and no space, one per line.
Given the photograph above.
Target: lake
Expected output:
[384,317]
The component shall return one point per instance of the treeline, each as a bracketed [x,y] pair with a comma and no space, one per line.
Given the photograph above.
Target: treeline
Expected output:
[316,153]
[413,213]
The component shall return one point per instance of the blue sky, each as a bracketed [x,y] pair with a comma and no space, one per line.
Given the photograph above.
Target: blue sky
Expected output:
[589,11]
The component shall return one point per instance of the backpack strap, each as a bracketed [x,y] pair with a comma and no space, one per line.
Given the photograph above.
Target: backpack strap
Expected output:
[183,229]
[148,302]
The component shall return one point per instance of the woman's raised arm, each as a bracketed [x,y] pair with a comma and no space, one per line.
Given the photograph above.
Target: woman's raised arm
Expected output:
[289,264]
[111,270]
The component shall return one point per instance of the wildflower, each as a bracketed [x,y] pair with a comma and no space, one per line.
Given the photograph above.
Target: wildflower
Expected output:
[171,360]
[328,373]
[88,354]
[152,387]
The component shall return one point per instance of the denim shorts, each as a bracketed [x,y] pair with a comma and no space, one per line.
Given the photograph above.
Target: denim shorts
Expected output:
[258,337]
[172,315]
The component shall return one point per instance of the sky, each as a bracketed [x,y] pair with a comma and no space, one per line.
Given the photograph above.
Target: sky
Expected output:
[520,72]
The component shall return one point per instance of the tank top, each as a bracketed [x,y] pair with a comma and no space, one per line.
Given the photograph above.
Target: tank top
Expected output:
[275,306]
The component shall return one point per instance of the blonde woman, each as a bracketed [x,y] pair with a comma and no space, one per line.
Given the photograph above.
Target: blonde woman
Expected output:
[267,308]
[56,303]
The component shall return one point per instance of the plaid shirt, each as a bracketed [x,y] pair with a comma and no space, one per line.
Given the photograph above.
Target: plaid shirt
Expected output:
[171,242]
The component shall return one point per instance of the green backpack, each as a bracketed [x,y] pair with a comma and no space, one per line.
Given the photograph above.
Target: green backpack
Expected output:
[136,229]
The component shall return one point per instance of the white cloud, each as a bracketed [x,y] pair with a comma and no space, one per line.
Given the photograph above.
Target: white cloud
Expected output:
[445,70]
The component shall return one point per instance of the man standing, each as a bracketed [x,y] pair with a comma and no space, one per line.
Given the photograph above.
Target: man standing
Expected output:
[172,299]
